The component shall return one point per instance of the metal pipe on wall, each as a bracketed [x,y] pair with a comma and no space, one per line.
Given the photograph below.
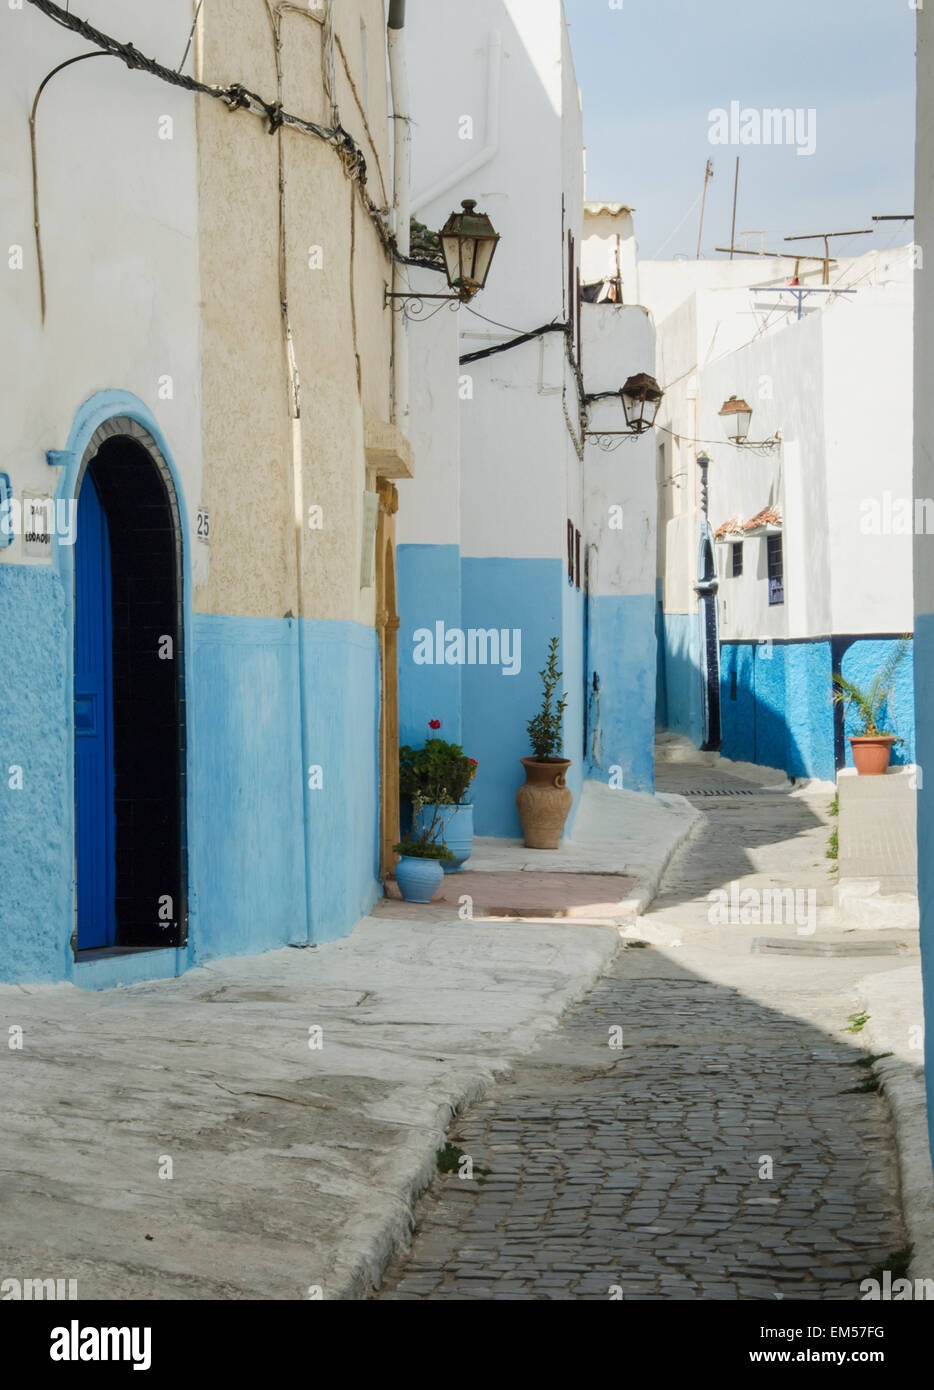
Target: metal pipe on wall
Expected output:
[401,201]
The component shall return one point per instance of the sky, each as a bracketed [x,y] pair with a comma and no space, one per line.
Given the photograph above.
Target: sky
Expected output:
[652,71]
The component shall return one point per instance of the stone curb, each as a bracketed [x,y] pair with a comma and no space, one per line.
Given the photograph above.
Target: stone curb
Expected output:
[903,1087]
[646,888]
[359,1272]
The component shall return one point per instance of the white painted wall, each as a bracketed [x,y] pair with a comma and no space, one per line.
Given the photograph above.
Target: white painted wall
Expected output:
[619,341]
[513,90]
[429,503]
[119,220]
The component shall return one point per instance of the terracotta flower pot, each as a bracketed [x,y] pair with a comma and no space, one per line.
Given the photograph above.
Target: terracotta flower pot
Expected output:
[544,802]
[871,756]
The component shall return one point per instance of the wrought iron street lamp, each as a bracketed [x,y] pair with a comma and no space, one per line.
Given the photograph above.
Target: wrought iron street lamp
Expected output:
[641,398]
[468,243]
[736,416]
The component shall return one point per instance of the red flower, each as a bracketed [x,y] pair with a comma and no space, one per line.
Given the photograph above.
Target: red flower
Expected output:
[474,761]
[434,723]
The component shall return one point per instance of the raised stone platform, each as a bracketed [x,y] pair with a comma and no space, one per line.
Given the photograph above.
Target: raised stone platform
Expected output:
[599,897]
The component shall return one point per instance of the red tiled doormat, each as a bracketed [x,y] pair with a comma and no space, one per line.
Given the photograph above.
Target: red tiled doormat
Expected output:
[530,894]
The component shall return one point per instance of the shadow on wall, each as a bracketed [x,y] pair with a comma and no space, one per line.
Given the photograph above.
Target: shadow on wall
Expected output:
[776,699]
[776,706]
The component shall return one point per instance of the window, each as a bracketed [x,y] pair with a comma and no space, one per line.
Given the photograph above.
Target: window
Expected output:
[570,552]
[736,559]
[776,570]
[577,558]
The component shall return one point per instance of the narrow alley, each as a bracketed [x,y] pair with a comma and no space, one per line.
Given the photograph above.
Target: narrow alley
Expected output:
[730,1148]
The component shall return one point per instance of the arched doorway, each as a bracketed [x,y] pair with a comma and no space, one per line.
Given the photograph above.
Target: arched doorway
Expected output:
[130,861]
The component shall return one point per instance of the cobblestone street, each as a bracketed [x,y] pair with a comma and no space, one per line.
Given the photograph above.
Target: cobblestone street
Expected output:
[725,1151]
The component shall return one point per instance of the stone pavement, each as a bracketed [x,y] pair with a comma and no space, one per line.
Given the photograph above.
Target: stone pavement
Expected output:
[259,1127]
[735,1146]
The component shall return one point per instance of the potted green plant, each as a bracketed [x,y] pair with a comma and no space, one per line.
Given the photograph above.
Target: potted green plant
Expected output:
[420,871]
[544,800]
[440,774]
[872,745]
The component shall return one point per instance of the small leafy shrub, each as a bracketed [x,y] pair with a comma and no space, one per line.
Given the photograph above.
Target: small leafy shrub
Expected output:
[545,729]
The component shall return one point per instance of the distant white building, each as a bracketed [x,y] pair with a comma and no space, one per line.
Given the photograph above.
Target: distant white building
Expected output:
[787,555]
[524,525]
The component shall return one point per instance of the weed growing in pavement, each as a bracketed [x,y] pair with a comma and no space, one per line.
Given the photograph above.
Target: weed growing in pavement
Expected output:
[451,1159]
[871,1083]
[857,1022]
[897,1264]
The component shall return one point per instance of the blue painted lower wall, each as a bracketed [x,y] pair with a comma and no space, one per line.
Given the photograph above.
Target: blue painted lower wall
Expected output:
[924,701]
[621,685]
[777,708]
[36,787]
[251,819]
[861,661]
[428,581]
[341,686]
[488,711]
[506,593]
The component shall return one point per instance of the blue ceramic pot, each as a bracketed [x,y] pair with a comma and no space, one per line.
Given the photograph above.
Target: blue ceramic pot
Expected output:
[419,879]
[456,823]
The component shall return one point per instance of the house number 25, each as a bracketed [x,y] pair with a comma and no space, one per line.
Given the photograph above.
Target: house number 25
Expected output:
[203,531]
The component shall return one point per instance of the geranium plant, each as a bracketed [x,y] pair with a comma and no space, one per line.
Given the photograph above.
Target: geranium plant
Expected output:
[439,773]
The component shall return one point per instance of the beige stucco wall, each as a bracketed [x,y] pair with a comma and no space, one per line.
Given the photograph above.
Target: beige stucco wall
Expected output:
[337,310]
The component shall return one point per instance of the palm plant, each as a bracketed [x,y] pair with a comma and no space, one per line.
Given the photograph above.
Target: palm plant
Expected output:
[870,702]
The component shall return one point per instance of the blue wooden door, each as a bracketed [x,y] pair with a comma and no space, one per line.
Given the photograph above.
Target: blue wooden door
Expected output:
[94,778]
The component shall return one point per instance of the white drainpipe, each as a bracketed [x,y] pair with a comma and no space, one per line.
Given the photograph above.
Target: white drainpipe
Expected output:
[401,200]
[491,133]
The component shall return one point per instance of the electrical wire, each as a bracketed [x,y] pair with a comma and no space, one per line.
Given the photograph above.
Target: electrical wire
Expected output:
[508,326]
[515,342]
[236,95]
